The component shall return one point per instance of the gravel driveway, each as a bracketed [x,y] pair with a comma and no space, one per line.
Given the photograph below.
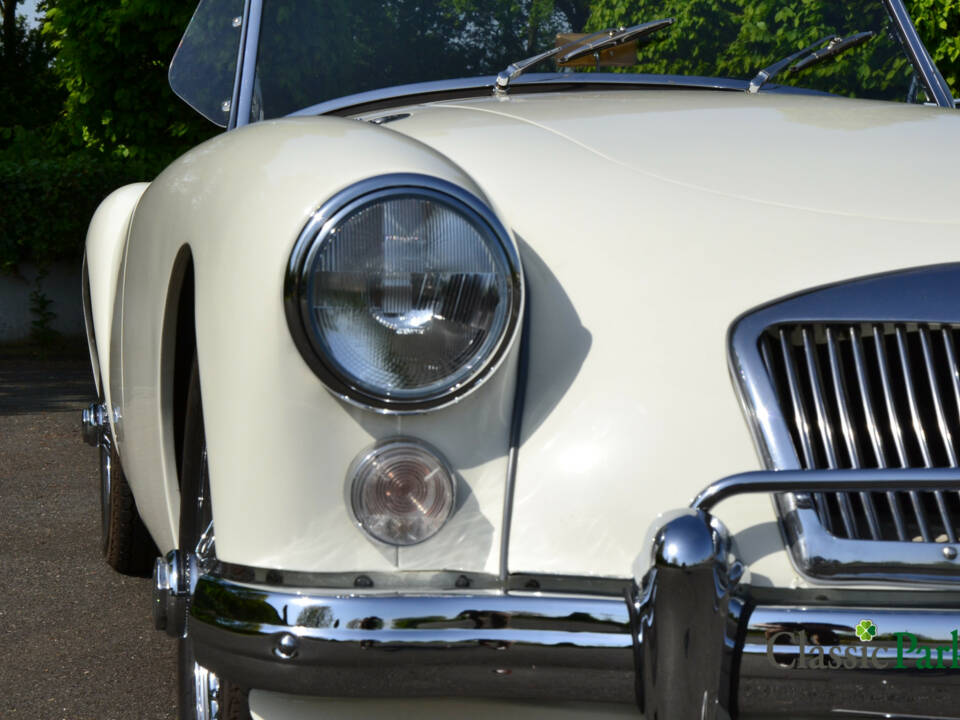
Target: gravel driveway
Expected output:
[77,639]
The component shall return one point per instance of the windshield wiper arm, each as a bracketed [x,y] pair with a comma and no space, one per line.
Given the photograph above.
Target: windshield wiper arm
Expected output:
[836,46]
[624,35]
[809,56]
[588,45]
[770,71]
[516,69]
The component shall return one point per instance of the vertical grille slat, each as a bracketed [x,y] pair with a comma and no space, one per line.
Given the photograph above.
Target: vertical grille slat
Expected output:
[847,426]
[952,370]
[945,433]
[840,395]
[799,410]
[918,424]
[826,427]
[895,429]
[873,428]
[872,395]
[801,420]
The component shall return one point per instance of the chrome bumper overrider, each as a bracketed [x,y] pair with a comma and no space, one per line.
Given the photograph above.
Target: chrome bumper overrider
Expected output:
[688,640]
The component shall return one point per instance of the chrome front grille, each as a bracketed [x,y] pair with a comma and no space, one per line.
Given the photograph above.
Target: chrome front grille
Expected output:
[872,395]
[861,377]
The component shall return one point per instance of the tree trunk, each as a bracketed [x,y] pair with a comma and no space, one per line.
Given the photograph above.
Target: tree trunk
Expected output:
[9,30]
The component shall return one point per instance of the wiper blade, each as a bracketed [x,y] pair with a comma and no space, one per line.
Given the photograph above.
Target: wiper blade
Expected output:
[516,69]
[809,56]
[836,46]
[588,45]
[762,77]
[624,35]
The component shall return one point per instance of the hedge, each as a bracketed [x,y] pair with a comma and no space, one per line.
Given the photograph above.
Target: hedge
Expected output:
[47,204]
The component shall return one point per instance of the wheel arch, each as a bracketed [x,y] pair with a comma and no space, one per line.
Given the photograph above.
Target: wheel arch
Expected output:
[103,260]
[177,348]
[88,326]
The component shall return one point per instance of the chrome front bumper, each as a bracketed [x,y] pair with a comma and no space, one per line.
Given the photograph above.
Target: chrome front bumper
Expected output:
[502,646]
[689,640]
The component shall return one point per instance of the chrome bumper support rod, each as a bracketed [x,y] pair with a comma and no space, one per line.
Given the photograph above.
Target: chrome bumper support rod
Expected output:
[800,481]
[822,555]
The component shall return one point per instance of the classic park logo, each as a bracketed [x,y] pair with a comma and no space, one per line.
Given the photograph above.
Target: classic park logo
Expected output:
[814,649]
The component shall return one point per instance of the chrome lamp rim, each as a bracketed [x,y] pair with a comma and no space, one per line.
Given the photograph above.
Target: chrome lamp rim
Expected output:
[369,455]
[319,227]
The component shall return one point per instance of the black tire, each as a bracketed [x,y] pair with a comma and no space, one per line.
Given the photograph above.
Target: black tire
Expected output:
[124,540]
[195,516]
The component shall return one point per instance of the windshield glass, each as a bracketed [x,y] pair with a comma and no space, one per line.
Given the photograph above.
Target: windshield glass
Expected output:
[315,50]
[311,51]
[205,63]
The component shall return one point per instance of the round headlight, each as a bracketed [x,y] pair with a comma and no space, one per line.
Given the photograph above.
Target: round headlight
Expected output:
[403,293]
[401,492]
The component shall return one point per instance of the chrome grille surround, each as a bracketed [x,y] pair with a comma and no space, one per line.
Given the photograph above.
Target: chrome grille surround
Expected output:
[862,374]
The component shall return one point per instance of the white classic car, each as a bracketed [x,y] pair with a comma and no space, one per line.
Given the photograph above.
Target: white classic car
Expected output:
[424,393]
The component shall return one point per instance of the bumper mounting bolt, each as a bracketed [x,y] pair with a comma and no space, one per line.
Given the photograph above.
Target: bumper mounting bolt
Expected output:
[286,646]
[950,553]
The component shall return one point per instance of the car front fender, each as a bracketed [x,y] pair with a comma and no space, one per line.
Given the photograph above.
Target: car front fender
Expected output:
[279,444]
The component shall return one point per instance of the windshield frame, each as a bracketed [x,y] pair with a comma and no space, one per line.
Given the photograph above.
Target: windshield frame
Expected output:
[933,82]
[481,86]
[243,87]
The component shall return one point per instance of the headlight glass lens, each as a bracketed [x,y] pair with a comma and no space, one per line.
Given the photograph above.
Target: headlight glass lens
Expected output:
[402,493]
[409,293]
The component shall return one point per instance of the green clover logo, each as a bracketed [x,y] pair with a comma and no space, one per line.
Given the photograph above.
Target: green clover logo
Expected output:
[866,630]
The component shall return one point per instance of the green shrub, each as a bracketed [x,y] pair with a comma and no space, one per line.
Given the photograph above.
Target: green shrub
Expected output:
[48,202]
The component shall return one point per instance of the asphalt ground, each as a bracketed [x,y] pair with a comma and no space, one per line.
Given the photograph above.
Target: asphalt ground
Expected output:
[76,638]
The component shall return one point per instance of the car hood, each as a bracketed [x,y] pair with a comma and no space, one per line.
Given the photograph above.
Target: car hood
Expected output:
[647,222]
[829,154]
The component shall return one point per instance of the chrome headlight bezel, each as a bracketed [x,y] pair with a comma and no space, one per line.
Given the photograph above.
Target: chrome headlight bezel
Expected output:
[340,207]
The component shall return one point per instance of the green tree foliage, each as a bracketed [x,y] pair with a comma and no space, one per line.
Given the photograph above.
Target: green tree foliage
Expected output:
[735,38]
[938,23]
[47,202]
[29,94]
[112,58]
[101,114]
[747,35]
[60,151]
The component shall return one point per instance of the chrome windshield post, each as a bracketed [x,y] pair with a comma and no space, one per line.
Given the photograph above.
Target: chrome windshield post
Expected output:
[937,87]
[244,84]
[688,620]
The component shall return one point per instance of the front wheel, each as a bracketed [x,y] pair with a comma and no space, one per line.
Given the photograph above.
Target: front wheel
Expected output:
[201,695]
[124,540]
